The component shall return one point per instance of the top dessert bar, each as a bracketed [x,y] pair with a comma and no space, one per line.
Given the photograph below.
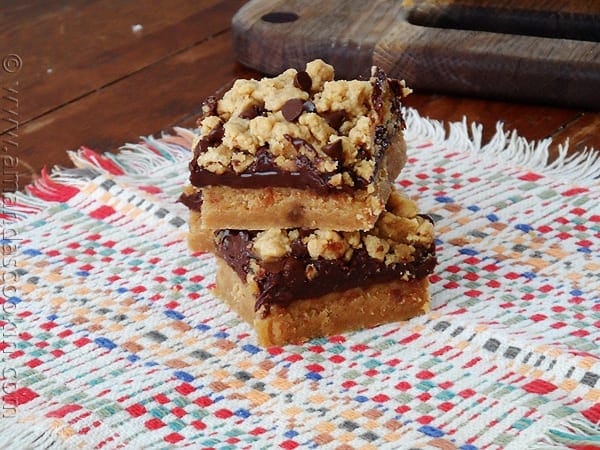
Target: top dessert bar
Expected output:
[298,150]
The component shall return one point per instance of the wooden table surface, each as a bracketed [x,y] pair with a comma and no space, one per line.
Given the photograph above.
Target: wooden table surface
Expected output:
[100,73]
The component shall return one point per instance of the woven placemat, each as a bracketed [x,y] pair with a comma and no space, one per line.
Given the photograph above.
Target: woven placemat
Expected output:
[112,338]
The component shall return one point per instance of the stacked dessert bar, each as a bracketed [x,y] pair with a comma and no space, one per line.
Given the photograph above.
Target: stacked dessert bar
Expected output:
[292,188]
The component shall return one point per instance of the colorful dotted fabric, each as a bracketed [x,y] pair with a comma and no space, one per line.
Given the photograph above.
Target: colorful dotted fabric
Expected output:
[113,339]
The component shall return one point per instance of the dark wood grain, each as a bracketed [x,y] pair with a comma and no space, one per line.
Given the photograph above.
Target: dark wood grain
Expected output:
[352,34]
[75,58]
[82,47]
[113,85]
[534,121]
[583,133]
[566,19]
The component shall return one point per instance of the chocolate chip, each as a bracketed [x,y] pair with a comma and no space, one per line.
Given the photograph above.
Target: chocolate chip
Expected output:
[334,150]
[192,201]
[299,248]
[299,143]
[263,160]
[212,139]
[303,81]
[251,111]
[395,86]
[296,213]
[379,77]
[309,106]
[428,218]
[292,109]
[335,119]
[215,136]
[209,108]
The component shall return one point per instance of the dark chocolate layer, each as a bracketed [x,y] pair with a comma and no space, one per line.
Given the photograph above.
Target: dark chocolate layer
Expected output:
[283,280]
[264,172]
[192,201]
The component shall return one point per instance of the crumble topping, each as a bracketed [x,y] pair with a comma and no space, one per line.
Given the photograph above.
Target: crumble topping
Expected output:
[393,239]
[338,127]
[272,244]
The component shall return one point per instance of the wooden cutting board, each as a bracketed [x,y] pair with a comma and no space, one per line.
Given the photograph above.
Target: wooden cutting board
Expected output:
[529,51]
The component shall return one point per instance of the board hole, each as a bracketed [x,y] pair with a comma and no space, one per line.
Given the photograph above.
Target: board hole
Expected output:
[280,17]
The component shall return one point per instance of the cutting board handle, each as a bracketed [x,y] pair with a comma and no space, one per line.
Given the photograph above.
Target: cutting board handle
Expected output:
[271,36]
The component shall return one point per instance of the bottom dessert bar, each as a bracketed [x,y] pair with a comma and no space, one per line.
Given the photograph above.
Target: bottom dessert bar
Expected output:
[295,284]
[199,239]
[326,315]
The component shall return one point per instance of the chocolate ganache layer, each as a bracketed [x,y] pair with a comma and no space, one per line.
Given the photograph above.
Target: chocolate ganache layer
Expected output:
[264,172]
[192,201]
[284,279]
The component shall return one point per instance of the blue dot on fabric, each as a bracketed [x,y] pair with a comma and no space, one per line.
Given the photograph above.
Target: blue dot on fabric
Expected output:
[473,208]
[444,199]
[251,348]
[523,227]
[431,431]
[82,273]
[52,317]
[184,376]
[202,327]
[313,376]
[361,399]
[221,335]
[529,275]
[584,250]
[576,292]
[106,343]
[32,252]
[290,434]
[243,413]
[468,447]
[14,300]
[133,358]
[122,290]
[468,251]
[172,314]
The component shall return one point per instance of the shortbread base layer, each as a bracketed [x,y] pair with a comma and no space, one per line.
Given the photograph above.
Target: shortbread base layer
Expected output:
[199,239]
[284,207]
[330,314]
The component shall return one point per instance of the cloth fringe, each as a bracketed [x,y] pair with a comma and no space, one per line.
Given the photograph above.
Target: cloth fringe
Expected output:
[507,148]
[21,436]
[62,184]
[47,188]
[17,206]
[137,159]
[575,433]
